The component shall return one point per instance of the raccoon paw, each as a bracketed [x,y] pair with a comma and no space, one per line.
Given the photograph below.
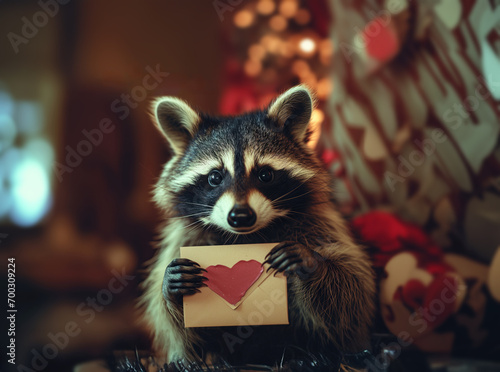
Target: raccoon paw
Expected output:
[293,258]
[182,278]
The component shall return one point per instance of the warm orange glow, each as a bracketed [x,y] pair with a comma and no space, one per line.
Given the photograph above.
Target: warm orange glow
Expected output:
[302,17]
[324,88]
[317,118]
[256,52]
[301,68]
[326,48]
[278,23]
[286,49]
[266,7]
[288,8]
[325,52]
[310,80]
[252,68]
[271,43]
[243,18]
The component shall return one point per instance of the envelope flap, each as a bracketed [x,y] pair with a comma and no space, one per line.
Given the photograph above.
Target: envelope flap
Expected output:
[249,291]
[227,255]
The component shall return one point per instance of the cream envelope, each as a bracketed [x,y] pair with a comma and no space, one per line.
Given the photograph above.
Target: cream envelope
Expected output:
[265,302]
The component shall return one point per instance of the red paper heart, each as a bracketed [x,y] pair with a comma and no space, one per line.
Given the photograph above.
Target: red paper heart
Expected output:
[232,283]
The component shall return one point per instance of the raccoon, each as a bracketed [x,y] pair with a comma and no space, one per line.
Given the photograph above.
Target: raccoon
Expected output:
[253,179]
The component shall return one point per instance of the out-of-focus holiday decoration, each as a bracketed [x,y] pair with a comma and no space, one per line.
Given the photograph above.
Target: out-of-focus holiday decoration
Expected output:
[439,302]
[274,45]
[415,115]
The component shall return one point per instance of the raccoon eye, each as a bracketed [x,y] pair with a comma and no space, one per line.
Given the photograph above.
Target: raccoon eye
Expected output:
[266,175]
[215,178]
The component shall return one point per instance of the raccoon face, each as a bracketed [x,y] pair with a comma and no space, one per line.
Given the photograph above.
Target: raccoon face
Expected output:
[238,174]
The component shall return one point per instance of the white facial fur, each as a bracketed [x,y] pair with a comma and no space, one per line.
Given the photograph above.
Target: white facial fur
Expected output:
[262,206]
[277,162]
[203,167]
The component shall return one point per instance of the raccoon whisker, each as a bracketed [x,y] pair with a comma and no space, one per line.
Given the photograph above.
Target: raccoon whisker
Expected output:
[302,213]
[291,218]
[229,236]
[203,225]
[289,192]
[196,225]
[235,239]
[197,214]
[189,215]
[202,205]
[192,224]
[261,235]
[294,197]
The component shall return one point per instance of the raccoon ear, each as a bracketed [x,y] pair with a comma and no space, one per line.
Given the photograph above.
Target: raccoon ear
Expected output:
[292,111]
[176,121]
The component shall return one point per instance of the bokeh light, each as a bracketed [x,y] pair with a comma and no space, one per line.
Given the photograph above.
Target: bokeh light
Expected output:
[252,68]
[307,45]
[30,191]
[301,68]
[256,52]
[302,17]
[286,49]
[8,132]
[278,23]
[40,149]
[288,8]
[27,117]
[244,18]
[6,103]
[26,159]
[271,43]
[266,7]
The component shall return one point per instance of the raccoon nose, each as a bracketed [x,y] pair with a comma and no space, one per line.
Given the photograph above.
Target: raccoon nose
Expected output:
[241,216]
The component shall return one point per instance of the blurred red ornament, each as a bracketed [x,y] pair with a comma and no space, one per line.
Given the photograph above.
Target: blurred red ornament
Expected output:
[381,39]
[328,157]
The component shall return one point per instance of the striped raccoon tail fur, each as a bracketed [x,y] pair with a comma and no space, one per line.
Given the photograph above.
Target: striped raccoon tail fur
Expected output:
[253,179]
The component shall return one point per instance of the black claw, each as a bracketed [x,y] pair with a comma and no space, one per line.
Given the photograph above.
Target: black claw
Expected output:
[186,278]
[284,257]
[183,261]
[182,278]
[291,263]
[185,270]
[280,252]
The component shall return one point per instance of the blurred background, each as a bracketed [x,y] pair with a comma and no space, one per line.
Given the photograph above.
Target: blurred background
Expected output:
[407,120]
